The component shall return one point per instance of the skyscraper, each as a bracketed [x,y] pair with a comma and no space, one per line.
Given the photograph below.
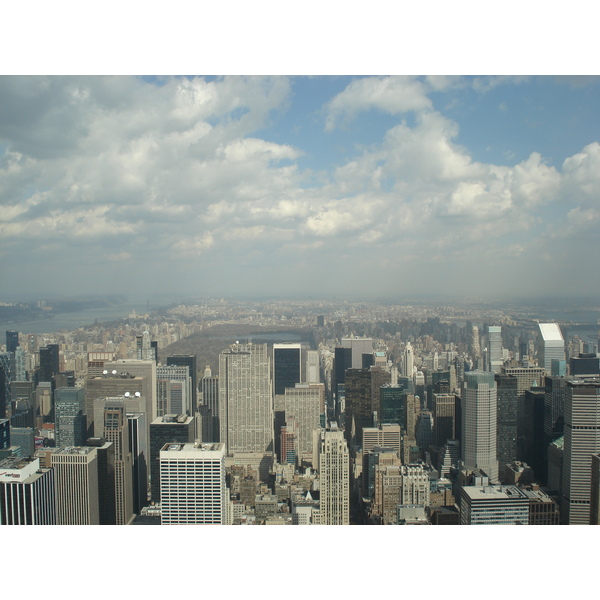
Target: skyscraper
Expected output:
[286,366]
[582,440]
[168,429]
[334,473]
[106,480]
[116,430]
[49,362]
[209,387]
[138,447]
[174,390]
[76,478]
[245,401]
[359,347]
[12,341]
[303,403]
[507,420]
[551,345]
[26,492]
[70,427]
[444,418]
[479,419]
[186,360]
[312,367]
[527,377]
[192,488]
[495,348]
[146,369]
[113,384]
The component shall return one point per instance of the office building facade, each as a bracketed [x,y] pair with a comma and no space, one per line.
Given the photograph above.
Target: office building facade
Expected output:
[77,493]
[70,427]
[334,474]
[27,494]
[581,442]
[192,488]
[245,400]
[479,423]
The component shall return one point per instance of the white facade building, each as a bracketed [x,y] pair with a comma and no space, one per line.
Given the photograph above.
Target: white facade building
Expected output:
[551,345]
[192,484]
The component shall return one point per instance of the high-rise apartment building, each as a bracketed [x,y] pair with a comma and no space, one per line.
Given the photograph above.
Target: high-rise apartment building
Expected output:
[26,492]
[70,428]
[76,479]
[245,401]
[334,474]
[192,488]
[581,441]
[479,420]
[551,345]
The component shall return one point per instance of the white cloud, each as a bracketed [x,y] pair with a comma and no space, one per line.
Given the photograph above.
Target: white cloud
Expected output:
[150,174]
[392,95]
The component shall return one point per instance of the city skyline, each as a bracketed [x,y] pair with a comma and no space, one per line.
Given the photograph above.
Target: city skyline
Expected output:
[260,184]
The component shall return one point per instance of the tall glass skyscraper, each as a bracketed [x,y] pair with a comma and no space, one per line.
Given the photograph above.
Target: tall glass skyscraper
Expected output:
[479,423]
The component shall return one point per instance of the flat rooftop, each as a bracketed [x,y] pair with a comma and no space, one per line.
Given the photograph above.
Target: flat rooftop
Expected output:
[494,492]
[191,446]
[76,450]
[15,462]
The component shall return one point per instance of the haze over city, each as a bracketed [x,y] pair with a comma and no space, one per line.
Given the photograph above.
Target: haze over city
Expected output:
[319,186]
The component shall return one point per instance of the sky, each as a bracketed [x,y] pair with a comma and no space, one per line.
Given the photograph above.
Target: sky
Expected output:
[318,186]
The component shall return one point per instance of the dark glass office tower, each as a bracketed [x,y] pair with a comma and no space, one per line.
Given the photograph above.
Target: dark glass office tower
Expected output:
[49,362]
[138,446]
[12,341]
[69,414]
[507,421]
[168,429]
[392,400]
[286,367]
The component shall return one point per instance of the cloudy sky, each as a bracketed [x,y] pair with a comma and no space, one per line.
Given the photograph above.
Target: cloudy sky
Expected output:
[376,186]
